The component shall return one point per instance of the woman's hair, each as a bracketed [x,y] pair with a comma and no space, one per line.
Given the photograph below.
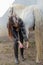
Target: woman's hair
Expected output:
[10,25]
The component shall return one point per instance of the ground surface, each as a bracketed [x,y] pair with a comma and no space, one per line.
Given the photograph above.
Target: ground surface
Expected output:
[7,54]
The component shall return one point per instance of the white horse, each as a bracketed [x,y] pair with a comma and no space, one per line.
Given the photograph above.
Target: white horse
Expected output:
[27,16]
[32,15]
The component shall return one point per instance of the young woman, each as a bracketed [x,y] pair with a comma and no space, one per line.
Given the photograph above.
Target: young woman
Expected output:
[17,32]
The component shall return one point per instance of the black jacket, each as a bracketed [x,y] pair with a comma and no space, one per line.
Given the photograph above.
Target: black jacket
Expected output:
[21,32]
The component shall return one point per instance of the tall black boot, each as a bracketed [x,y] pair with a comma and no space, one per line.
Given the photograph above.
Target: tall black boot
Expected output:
[22,55]
[16,52]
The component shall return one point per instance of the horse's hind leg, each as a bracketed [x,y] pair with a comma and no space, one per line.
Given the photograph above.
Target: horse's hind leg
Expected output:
[38,35]
[38,46]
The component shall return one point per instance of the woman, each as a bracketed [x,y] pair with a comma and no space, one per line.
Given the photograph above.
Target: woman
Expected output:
[16,30]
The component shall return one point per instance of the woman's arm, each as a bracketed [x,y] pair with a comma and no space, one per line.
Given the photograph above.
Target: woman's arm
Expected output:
[15,34]
[16,38]
[23,31]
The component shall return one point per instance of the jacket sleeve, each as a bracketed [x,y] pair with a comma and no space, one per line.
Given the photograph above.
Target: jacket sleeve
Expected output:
[15,35]
[23,30]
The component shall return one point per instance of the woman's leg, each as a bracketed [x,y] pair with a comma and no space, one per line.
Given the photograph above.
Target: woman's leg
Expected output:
[16,49]
[22,49]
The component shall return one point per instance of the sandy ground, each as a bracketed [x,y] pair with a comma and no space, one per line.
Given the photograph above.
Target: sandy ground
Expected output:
[7,54]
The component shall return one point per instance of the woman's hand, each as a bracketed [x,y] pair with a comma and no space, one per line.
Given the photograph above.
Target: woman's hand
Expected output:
[20,45]
[27,44]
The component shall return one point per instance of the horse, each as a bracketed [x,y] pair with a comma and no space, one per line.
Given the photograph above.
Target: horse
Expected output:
[33,20]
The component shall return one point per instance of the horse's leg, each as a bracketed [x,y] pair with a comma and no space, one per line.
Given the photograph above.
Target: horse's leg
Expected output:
[38,45]
[38,35]
[27,33]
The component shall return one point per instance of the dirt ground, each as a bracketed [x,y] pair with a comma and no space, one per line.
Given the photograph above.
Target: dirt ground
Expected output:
[7,54]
